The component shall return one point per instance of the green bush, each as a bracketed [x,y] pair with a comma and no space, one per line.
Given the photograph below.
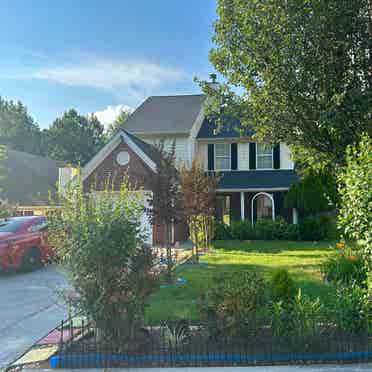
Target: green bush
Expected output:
[242,230]
[222,231]
[311,229]
[352,309]
[233,299]
[283,287]
[292,232]
[345,268]
[265,229]
[328,226]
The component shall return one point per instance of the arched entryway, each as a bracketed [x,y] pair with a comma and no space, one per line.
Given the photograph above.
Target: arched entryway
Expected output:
[262,207]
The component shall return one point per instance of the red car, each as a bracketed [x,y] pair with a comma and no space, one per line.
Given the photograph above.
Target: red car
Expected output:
[23,243]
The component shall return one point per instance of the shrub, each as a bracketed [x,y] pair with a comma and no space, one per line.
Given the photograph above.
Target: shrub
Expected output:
[345,267]
[292,232]
[222,231]
[353,309]
[311,229]
[328,227]
[242,230]
[355,218]
[283,287]
[265,229]
[232,299]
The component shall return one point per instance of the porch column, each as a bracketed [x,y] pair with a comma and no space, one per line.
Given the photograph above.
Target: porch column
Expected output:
[242,206]
[295,216]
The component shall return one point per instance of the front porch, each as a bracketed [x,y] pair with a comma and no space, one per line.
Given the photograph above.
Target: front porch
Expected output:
[253,205]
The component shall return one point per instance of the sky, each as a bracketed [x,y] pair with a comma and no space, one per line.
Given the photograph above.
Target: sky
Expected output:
[101,56]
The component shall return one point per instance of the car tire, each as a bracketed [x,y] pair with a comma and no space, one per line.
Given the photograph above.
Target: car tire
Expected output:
[32,259]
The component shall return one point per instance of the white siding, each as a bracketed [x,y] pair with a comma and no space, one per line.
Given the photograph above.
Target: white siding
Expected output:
[182,149]
[285,157]
[243,156]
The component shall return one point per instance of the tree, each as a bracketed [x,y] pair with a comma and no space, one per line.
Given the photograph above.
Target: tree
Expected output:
[75,138]
[304,68]
[164,205]
[18,129]
[198,190]
[119,123]
[355,181]
[100,240]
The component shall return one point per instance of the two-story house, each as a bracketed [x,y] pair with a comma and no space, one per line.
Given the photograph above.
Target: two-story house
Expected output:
[254,177]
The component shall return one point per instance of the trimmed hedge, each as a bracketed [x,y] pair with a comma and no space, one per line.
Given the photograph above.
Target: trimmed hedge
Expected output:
[312,229]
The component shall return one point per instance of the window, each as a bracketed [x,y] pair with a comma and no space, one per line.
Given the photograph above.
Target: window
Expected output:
[223,209]
[222,156]
[264,156]
[262,207]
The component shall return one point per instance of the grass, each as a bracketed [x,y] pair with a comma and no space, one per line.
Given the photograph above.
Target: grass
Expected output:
[302,259]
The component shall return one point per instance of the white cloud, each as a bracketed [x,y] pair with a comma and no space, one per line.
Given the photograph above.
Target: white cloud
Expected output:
[110,113]
[111,75]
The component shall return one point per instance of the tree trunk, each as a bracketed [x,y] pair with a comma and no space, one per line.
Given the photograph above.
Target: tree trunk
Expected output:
[169,253]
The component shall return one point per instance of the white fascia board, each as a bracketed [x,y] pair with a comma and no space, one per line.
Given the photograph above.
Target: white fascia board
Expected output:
[149,162]
[111,146]
[101,156]
[258,189]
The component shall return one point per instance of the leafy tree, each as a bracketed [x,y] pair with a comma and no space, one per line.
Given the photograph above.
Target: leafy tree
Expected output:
[304,70]
[316,192]
[18,129]
[355,217]
[101,242]
[119,123]
[75,138]
[198,191]
[164,206]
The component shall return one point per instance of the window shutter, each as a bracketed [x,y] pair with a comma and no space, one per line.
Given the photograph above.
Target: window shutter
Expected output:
[210,156]
[252,155]
[234,156]
[276,154]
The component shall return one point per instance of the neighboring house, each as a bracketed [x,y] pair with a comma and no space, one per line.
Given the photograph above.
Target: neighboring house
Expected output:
[30,182]
[254,177]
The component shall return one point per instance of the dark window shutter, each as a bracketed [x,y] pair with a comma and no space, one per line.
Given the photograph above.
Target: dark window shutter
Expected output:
[252,155]
[210,156]
[234,156]
[276,153]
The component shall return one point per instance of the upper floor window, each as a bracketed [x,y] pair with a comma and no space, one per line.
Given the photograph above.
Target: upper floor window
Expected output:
[264,156]
[222,156]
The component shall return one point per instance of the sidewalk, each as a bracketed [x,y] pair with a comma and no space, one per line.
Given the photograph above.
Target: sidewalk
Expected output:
[304,368]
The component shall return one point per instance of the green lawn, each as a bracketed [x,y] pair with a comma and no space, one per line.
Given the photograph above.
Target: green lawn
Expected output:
[302,259]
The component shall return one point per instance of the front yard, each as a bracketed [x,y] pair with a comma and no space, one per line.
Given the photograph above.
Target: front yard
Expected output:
[302,259]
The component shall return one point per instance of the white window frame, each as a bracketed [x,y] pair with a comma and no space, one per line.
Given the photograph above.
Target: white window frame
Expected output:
[222,157]
[270,196]
[265,155]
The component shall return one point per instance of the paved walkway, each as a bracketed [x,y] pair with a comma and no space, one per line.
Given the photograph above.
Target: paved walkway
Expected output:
[312,368]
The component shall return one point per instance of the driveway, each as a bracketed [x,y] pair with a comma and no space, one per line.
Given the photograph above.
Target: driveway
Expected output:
[29,308]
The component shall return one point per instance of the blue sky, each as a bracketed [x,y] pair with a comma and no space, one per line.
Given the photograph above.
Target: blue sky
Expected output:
[100,56]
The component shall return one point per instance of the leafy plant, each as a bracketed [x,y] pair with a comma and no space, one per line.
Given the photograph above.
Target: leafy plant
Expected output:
[242,230]
[283,287]
[311,229]
[222,231]
[177,333]
[345,267]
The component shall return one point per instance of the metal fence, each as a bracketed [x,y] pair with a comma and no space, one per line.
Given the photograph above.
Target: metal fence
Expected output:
[183,343]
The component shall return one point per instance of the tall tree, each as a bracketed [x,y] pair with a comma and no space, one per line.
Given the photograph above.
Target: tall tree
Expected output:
[198,191]
[75,138]
[164,205]
[304,68]
[119,123]
[18,129]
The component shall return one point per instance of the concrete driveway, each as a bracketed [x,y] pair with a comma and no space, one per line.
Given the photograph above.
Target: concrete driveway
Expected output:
[29,308]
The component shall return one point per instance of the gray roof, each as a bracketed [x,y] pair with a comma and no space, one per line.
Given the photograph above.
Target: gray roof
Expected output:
[262,179]
[165,114]
[28,178]
[231,129]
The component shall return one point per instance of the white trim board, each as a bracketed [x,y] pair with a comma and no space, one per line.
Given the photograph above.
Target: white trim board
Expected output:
[120,137]
[258,189]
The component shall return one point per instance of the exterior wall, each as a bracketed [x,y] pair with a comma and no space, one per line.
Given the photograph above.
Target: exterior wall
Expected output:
[183,147]
[285,157]
[110,171]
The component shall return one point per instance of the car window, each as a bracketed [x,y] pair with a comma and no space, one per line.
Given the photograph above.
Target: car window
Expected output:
[10,226]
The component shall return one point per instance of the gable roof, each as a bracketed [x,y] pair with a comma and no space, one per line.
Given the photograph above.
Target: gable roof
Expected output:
[28,178]
[166,114]
[144,150]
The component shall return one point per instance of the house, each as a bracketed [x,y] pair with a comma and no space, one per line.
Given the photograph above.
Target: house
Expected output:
[254,177]
[30,182]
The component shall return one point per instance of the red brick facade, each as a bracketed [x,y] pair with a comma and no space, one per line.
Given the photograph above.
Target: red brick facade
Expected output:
[109,171]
